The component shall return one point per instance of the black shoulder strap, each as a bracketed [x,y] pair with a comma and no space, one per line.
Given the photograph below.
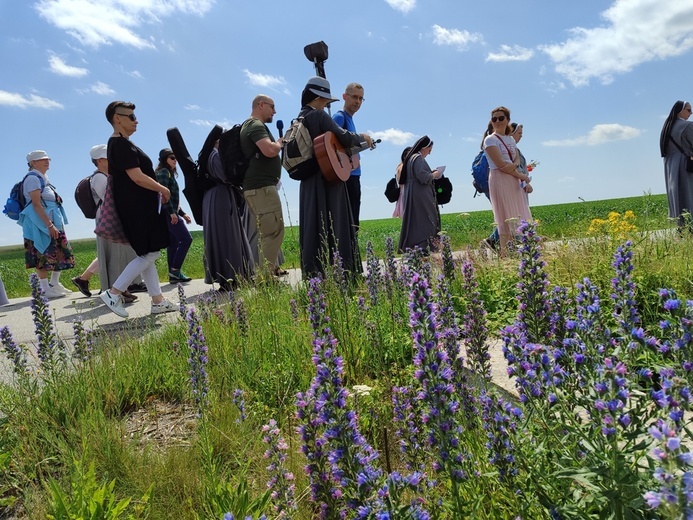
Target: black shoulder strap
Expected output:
[677,145]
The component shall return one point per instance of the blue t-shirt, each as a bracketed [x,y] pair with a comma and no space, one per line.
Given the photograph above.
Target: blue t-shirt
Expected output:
[344,120]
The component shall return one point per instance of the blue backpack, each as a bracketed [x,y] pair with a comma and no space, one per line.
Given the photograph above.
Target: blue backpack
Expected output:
[17,202]
[480,174]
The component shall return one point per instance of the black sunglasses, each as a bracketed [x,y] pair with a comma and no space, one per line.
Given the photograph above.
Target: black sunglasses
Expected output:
[131,117]
[499,118]
[172,157]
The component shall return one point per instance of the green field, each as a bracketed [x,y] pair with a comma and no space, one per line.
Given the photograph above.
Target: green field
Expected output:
[557,221]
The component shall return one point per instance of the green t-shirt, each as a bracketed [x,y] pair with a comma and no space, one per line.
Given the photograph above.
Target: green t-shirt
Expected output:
[262,171]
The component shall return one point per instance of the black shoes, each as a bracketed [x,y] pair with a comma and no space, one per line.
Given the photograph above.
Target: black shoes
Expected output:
[82,285]
[137,287]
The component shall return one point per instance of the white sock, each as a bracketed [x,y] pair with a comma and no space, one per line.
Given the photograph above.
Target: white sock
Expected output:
[55,277]
[43,282]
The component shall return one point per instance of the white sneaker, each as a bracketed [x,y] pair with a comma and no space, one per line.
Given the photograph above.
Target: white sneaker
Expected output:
[60,288]
[163,306]
[52,293]
[114,302]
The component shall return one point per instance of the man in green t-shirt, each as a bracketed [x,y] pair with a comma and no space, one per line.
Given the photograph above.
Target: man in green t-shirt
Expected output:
[261,178]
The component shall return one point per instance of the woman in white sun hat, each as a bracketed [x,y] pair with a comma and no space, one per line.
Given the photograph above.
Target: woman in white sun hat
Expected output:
[43,220]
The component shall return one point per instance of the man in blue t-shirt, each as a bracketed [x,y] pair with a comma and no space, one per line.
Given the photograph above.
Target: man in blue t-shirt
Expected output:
[353,97]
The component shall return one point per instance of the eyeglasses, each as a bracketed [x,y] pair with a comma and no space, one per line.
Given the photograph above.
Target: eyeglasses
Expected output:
[496,119]
[269,105]
[131,116]
[358,98]
[172,157]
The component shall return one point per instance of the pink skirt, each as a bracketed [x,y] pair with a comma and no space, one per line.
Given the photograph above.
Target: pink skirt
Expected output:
[509,202]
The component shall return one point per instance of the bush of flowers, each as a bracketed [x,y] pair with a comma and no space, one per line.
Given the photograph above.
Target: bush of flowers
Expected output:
[400,418]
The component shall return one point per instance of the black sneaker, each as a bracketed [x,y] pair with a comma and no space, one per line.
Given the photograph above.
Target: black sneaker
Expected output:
[82,285]
[137,287]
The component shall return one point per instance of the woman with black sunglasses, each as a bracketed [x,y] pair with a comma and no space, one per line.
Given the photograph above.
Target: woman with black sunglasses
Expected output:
[505,177]
[138,199]
[179,236]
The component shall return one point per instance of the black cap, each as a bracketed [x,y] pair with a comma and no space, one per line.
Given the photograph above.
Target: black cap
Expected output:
[163,154]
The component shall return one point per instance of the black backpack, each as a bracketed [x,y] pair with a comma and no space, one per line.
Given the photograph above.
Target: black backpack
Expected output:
[85,198]
[232,159]
[443,188]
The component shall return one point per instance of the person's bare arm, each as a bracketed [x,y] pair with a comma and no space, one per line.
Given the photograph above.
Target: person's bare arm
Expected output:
[269,148]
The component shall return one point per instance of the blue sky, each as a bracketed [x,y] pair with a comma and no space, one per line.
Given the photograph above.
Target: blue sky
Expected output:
[591,81]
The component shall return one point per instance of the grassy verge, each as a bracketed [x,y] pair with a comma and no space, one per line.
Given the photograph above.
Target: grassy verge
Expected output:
[558,221]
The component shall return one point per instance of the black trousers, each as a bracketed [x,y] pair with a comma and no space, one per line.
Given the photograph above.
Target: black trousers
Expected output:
[353,186]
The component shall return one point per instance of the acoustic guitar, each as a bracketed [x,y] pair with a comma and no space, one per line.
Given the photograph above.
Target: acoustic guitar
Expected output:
[336,161]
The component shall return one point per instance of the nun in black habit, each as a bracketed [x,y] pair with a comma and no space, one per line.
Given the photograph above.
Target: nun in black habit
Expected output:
[676,146]
[420,215]
[326,225]
[228,257]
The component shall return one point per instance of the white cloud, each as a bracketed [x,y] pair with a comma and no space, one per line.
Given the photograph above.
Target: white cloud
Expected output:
[99,88]
[394,136]
[508,53]
[31,101]
[58,66]
[600,134]
[635,32]
[106,22]
[264,80]
[454,37]
[209,124]
[403,6]
[192,107]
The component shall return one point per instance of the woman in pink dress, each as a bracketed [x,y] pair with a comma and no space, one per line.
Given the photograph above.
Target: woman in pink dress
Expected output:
[507,194]
[398,206]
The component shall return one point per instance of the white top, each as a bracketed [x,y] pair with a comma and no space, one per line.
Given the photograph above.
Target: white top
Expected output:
[32,183]
[98,186]
[494,140]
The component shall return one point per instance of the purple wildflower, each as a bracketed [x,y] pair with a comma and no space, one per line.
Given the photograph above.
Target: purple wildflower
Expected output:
[407,418]
[533,314]
[82,344]
[611,405]
[182,305]
[48,342]
[295,313]
[674,473]
[623,295]
[15,353]
[340,461]
[281,481]
[474,331]
[197,362]
[374,276]
[242,316]
[500,424]
[239,400]
[438,398]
